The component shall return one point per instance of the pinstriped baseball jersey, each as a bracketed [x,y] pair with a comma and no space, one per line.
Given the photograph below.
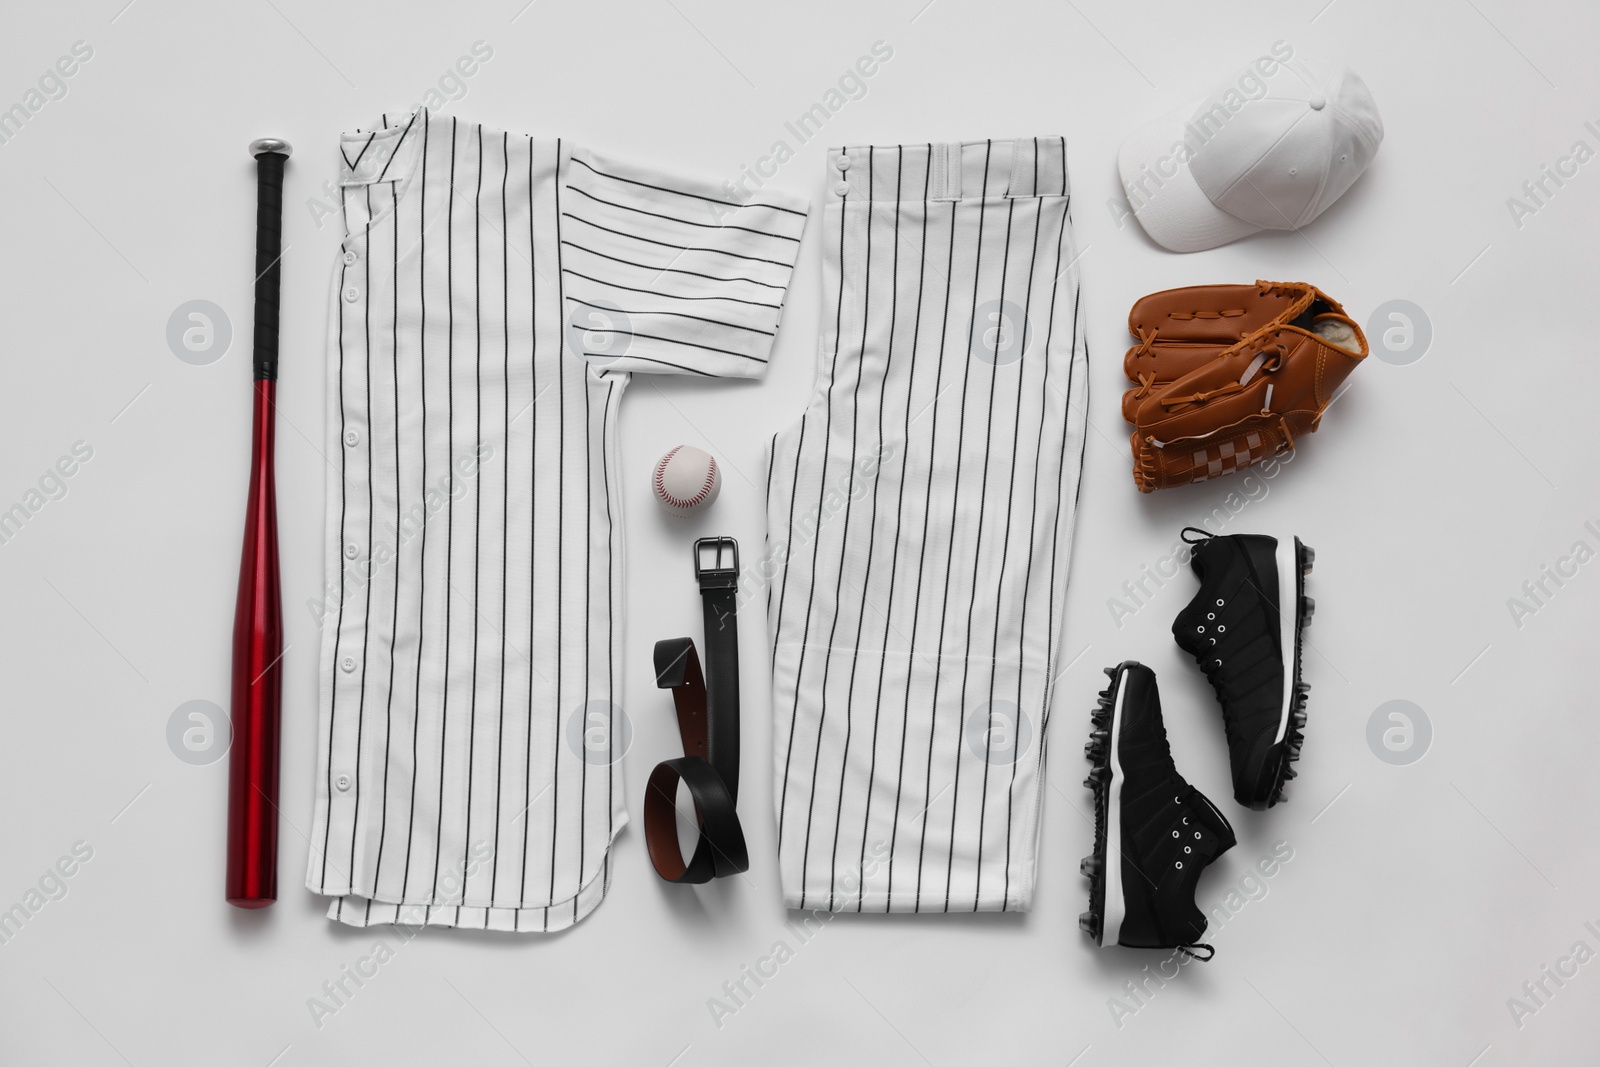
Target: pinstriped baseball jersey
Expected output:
[922,509]
[495,294]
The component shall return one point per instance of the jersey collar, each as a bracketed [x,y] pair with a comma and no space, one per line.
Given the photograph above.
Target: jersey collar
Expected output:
[385,153]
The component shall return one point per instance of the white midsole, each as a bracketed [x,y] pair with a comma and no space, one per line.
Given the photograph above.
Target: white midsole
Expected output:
[1288,619]
[1115,909]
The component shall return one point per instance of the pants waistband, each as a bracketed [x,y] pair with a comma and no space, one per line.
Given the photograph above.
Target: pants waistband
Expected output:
[952,170]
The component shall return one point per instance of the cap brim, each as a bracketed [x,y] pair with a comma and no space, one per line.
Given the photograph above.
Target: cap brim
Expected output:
[1166,199]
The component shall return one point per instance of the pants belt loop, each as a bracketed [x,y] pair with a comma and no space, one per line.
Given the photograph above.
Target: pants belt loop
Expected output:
[952,160]
[1020,181]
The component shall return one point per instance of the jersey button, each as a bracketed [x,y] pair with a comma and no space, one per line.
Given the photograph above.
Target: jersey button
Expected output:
[351,295]
[842,188]
[343,782]
[352,438]
[843,163]
[350,256]
[351,551]
[347,664]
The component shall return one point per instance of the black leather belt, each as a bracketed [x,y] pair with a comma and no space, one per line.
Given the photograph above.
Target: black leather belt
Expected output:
[708,721]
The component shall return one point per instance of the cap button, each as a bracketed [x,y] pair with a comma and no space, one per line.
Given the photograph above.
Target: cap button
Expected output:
[1318,102]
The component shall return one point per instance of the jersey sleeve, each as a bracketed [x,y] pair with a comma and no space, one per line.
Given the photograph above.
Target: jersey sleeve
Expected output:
[671,275]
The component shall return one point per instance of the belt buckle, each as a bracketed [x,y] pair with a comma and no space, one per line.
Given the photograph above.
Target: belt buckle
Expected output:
[716,562]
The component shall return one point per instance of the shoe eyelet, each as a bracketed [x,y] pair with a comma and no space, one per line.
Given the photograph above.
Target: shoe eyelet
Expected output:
[1174,833]
[1175,800]
[1213,640]
[1199,629]
[1211,615]
[1219,663]
[1186,820]
[1221,629]
[1187,850]
[1219,603]
[1197,835]
[1179,865]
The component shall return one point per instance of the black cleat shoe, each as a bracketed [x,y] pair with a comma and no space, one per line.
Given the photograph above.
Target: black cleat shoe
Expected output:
[1243,628]
[1153,832]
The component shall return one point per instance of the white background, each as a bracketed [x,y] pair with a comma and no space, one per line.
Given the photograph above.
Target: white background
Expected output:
[1419,898]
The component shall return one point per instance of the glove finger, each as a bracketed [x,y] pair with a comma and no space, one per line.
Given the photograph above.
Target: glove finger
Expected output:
[1210,313]
[1165,362]
[1160,366]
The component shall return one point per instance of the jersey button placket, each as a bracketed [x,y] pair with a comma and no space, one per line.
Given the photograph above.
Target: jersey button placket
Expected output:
[354,413]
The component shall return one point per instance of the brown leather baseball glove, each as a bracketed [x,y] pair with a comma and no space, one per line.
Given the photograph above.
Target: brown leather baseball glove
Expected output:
[1229,375]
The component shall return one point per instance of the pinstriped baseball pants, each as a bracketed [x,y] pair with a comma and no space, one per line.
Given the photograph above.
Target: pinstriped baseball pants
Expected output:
[920,520]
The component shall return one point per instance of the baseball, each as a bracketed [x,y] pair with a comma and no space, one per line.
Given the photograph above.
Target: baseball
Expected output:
[686,480]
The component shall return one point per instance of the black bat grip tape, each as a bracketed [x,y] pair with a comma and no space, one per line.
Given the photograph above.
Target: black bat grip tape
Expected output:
[269,242]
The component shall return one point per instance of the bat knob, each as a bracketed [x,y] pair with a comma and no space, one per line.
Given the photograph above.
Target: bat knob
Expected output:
[270,144]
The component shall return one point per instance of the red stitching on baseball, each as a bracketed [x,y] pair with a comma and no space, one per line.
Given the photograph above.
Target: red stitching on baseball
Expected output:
[668,498]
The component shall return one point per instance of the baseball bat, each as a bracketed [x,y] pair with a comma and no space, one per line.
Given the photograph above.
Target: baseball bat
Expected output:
[258,612]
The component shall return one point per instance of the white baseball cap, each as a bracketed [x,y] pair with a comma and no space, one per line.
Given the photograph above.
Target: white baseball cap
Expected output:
[1269,150]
